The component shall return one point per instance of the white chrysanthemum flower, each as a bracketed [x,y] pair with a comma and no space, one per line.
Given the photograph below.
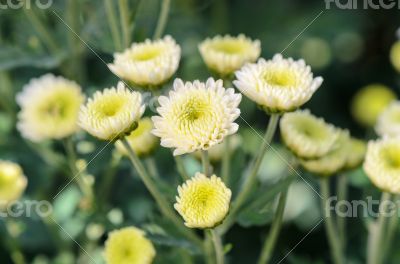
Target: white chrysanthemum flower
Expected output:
[111,113]
[141,140]
[228,54]
[277,85]
[148,64]
[49,108]
[196,115]
[389,121]
[12,182]
[382,164]
[355,156]
[307,136]
[203,202]
[334,161]
[129,245]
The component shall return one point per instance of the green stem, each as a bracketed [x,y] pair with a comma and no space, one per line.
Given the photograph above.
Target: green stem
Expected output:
[181,168]
[16,254]
[251,179]
[391,231]
[162,19]
[152,167]
[85,187]
[107,181]
[206,162]
[271,239]
[342,196]
[377,233]
[112,22]
[331,230]
[218,247]
[41,29]
[161,201]
[125,23]
[226,160]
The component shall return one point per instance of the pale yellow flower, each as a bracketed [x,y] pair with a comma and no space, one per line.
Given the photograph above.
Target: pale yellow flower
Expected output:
[369,102]
[388,124]
[307,136]
[141,140]
[12,182]
[332,162]
[203,202]
[356,153]
[277,85]
[148,64]
[49,108]
[112,113]
[382,164]
[129,246]
[228,54]
[395,55]
[196,116]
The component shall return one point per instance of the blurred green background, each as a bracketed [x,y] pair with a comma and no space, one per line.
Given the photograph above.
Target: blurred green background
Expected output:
[349,48]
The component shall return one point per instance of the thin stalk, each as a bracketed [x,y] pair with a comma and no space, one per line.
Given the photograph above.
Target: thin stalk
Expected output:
[342,196]
[16,254]
[107,180]
[181,168]
[226,161]
[205,160]
[162,19]
[161,201]
[112,22]
[152,167]
[377,235]
[125,23]
[272,237]
[391,231]
[218,247]
[252,177]
[85,187]
[41,29]
[331,230]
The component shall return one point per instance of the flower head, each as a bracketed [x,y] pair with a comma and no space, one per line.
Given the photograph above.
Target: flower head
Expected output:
[141,140]
[203,202]
[389,121]
[227,54]
[129,246]
[49,108]
[369,103]
[196,115]
[382,164]
[395,55]
[278,85]
[12,182]
[334,161]
[307,136]
[150,63]
[111,113]
[355,154]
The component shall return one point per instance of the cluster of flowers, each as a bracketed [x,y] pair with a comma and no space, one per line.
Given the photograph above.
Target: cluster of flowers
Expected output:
[197,116]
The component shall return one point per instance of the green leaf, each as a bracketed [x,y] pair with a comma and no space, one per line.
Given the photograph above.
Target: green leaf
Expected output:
[260,210]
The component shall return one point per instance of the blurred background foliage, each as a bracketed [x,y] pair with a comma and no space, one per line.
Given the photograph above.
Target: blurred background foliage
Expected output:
[349,48]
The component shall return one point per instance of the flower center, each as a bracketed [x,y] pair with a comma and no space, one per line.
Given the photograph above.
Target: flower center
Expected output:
[193,110]
[391,155]
[229,47]
[280,77]
[147,53]
[109,107]
[311,129]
